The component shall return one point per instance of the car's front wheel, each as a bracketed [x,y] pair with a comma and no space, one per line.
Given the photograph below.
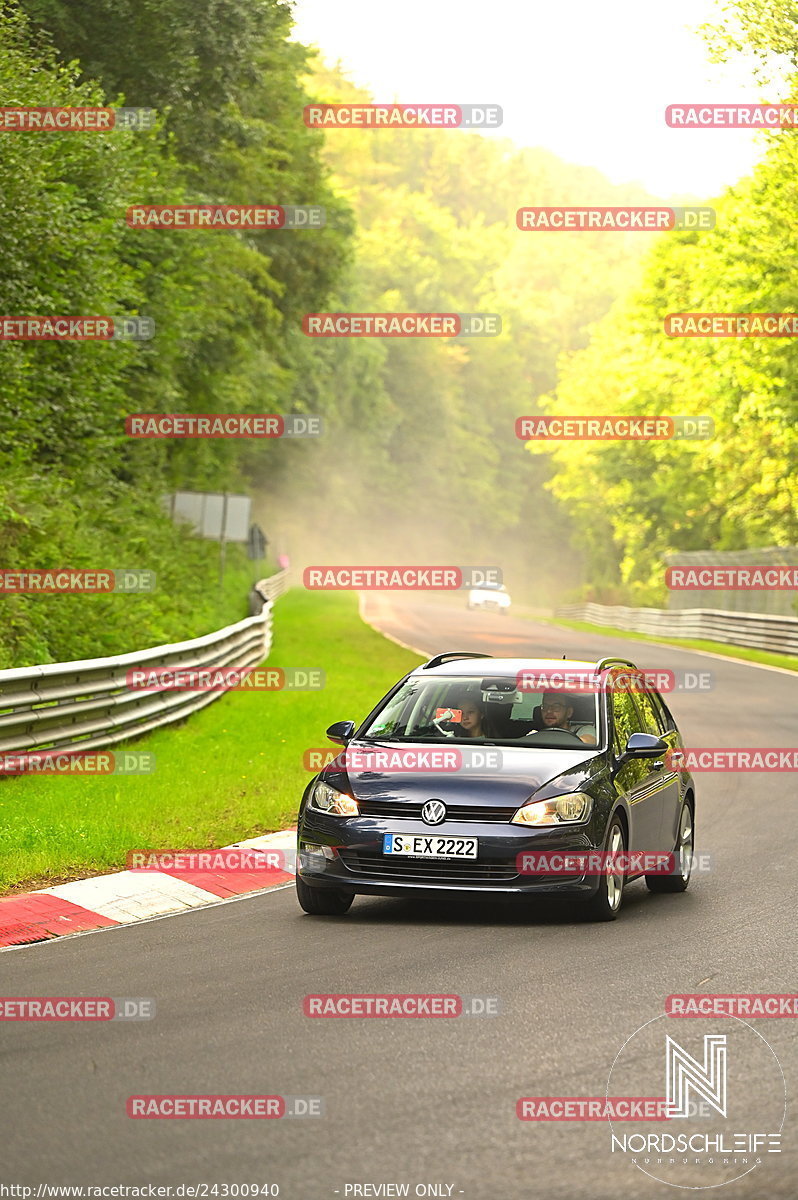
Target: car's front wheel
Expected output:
[323,902]
[680,878]
[606,902]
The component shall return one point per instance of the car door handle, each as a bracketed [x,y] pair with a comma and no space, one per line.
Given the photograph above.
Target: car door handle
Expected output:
[657,766]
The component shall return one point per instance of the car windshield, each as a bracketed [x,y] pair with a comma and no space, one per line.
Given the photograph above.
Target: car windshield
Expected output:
[485,710]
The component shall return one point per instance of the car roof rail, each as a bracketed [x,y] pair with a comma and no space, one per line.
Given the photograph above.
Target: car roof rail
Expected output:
[439,659]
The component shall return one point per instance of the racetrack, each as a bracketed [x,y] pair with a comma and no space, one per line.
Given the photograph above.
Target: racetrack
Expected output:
[420,1101]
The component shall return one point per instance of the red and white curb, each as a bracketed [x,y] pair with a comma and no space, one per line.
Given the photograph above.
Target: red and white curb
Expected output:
[128,896]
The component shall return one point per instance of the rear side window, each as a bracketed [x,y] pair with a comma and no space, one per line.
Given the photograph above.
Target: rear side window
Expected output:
[625,719]
[663,712]
[649,716]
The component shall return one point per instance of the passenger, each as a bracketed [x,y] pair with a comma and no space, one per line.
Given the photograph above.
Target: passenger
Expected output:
[471,719]
[556,711]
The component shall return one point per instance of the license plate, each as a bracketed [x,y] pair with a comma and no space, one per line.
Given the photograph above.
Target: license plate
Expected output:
[429,846]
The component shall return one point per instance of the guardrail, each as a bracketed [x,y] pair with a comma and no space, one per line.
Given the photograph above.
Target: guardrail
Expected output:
[86,705]
[759,631]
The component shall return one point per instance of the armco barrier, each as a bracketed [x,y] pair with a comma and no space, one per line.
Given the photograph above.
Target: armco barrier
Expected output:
[759,631]
[86,704]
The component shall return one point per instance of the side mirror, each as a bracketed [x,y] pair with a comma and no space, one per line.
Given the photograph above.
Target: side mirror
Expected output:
[642,745]
[341,732]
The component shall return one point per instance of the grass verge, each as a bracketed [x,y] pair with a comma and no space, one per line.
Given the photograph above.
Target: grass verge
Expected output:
[786,661]
[232,771]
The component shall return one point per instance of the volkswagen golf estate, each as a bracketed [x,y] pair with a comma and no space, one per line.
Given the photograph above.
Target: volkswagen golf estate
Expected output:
[496,776]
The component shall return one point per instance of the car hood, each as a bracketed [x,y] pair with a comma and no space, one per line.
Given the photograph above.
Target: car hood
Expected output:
[368,771]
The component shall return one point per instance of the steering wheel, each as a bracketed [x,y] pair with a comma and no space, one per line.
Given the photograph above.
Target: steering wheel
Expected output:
[568,734]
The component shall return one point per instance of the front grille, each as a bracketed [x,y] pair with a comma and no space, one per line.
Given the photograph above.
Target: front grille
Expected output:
[454,812]
[448,870]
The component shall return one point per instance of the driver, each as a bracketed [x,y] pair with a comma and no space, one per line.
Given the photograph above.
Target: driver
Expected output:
[556,711]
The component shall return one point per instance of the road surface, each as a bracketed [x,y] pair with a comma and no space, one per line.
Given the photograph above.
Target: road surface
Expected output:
[420,1102]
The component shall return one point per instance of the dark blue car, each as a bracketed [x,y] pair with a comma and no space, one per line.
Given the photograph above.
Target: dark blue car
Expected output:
[498,776]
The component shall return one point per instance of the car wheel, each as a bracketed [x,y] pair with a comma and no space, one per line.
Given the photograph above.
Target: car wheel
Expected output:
[605,904]
[322,901]
[679,880]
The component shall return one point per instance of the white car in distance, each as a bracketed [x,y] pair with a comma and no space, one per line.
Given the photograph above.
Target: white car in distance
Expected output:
[489,595]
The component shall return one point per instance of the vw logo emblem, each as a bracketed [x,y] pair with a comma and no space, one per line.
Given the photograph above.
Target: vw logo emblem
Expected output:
[433,812]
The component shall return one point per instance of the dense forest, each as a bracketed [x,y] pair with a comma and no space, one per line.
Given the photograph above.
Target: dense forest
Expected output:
[740,488]
[419,460]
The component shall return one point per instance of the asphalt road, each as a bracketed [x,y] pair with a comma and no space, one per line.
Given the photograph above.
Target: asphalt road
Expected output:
[421,1102]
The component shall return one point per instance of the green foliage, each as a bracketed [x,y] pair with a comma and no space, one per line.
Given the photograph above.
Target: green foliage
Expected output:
[421,455]
[75,491]
[635,503]
[49,522]
[419,460]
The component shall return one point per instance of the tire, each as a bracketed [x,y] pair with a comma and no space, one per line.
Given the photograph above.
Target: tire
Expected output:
[680,880]
[606,903]
[323,902]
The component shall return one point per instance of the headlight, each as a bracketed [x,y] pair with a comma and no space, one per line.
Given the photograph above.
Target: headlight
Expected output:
[561,810]
[327,800]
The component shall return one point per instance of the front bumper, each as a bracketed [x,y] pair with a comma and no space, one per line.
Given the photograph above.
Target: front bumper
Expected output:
[359,864]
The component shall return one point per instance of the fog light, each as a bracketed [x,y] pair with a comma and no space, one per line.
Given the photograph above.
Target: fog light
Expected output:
[312,855]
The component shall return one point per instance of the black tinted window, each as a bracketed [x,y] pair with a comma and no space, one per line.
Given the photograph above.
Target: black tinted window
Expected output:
[663,712]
